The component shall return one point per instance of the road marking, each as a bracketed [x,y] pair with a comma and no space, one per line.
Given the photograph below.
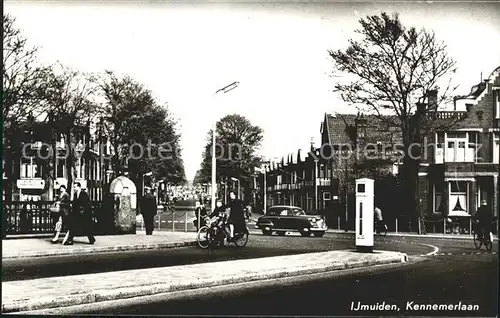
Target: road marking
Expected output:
[436,249]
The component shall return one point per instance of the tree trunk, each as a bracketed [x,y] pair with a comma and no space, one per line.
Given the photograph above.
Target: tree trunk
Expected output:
[69,163]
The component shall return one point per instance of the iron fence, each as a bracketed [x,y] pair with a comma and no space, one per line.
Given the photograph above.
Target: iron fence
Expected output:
[34,217]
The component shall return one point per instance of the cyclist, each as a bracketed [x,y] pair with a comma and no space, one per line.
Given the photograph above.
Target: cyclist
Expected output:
[484,219]
[220,214]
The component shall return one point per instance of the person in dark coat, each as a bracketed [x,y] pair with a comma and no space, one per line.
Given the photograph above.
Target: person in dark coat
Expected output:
[64,206]
[202,211]
[149,209]
[80,218]
[485,218]
[236,218]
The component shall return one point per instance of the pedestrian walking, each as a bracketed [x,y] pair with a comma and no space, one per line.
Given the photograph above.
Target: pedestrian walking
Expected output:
[249,211]
[149,209]
[236,218]
[63,206]
[79,220]
[379,221]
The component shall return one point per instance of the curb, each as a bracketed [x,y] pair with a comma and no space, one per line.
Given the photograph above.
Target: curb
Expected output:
[442,236]
[104,249]
[149,290]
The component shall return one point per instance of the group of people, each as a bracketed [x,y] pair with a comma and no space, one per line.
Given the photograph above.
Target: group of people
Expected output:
[235,220]
[76,216]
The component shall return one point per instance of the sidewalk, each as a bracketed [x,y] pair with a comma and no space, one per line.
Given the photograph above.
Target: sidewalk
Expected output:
[66,291]
[40,247]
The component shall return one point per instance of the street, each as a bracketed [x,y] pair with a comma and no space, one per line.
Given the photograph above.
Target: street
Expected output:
[471,279]
[258,246]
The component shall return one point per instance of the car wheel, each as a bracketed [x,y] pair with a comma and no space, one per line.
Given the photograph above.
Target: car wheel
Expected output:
[319,234]
[304,233]
[281,233]
[266,232]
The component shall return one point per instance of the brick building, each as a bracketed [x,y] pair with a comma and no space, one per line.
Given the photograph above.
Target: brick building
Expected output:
[461,164]
[38,157]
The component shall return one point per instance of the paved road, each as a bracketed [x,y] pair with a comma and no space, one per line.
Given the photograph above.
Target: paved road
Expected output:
[258,246]
[442,279]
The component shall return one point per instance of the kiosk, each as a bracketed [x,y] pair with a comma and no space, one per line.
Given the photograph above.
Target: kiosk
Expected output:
[364,215]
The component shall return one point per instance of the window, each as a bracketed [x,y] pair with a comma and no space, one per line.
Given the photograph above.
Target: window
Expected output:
[275,211]
[458,204]
[297,211]
[327,196]
[438,197]
[496,147]
[497,103]
[60,167]
[29,168]
[322,171]
[455,148]
[440,139]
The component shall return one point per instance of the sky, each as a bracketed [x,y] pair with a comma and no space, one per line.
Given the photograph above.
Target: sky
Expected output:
[278,52]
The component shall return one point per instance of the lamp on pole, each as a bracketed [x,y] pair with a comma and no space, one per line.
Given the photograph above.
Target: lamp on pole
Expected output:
[316,184]
[224,90]
[263,170]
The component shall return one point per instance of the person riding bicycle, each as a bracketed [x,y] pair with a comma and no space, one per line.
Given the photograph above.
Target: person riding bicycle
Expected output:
[484,218]
[379,221]
[219,219]
[237,216]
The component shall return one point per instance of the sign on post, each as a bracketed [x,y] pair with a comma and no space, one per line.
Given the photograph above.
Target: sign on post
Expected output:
[364,215]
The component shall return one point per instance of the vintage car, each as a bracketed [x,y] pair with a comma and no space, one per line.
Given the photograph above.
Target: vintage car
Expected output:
[284,218]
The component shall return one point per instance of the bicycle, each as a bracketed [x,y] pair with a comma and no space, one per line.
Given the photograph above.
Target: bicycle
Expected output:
[214,235]
[479,239]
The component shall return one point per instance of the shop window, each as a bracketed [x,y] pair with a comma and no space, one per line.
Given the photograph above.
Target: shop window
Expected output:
[458,198]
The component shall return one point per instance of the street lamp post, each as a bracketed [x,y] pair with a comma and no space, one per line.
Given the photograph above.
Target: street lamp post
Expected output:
[214,131]
[265,186]
[316,184]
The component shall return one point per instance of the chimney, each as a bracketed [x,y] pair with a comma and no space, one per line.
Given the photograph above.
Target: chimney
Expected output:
[432,99]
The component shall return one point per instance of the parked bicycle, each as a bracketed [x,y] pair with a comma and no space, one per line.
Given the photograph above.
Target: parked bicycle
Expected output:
[215,233]
[480,239]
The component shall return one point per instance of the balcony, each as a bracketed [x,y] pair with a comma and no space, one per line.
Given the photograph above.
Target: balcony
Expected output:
[447,115]
[486,167]
[323,181]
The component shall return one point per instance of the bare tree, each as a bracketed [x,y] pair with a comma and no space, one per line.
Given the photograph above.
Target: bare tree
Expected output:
[24,81]
[71,94]
[390,71]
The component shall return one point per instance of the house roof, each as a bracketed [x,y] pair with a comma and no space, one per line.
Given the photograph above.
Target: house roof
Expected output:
[376,129]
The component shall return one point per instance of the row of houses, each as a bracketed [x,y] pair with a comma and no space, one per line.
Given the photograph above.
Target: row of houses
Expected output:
[459,163]
[34,161]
